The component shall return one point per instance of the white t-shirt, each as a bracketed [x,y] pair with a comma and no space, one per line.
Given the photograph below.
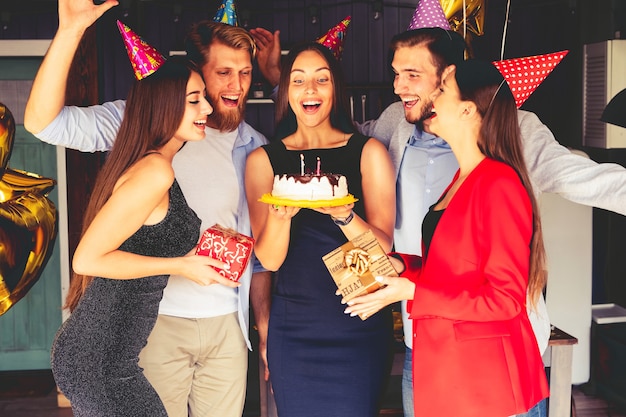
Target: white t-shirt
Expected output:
[207,177]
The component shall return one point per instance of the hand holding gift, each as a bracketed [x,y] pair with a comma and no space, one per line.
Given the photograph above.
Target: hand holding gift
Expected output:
[204,270]
[355,265]
[228,246]
[393,289]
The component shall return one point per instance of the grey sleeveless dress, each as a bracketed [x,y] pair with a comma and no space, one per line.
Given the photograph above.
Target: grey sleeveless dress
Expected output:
[96,351]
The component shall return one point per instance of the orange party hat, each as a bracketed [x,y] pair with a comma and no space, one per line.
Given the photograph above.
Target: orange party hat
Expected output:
[144,58]
[524,75]
[333,39]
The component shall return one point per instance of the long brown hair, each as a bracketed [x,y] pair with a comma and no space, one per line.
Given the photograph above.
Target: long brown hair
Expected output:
[286,123]
[501,139]
[154,111]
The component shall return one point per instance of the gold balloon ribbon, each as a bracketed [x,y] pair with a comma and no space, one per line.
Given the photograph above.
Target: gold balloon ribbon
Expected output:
[27,222]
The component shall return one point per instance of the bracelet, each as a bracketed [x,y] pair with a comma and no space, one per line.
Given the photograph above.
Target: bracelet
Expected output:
[343,221]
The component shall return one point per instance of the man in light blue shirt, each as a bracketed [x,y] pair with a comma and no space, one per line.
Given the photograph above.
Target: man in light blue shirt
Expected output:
[425,166]
[431,156]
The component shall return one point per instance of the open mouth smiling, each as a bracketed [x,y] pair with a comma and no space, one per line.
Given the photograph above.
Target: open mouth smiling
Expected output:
[410,102]
[230,100]
[311,105]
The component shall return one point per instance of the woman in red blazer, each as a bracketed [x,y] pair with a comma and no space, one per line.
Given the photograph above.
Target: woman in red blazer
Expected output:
[474,352]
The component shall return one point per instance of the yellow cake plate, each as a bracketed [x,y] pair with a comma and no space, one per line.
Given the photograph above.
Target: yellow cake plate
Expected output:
[270,199]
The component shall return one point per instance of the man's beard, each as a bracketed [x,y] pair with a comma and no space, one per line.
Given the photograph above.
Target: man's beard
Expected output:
[228,120]
[425,114]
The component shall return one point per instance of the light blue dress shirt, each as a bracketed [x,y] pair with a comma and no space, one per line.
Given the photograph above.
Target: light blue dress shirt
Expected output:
[426,169]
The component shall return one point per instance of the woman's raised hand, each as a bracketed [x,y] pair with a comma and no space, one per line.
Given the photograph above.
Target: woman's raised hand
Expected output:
[80,14]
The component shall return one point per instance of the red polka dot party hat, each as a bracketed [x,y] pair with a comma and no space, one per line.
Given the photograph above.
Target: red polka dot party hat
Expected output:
[523,75]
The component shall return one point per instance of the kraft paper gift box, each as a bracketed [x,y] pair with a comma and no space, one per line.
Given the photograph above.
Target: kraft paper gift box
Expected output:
[355,264]
[229,246]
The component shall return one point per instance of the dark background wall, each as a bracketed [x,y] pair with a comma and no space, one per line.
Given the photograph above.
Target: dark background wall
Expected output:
[533,27]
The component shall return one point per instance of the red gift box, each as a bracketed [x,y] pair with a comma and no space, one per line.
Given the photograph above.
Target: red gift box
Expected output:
[229,246]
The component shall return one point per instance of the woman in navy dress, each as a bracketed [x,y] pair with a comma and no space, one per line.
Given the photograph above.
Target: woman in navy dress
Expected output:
[138,230]
[322,361]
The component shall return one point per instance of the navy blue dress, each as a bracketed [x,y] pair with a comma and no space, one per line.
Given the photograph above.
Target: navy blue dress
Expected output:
[95,353]
[323,362]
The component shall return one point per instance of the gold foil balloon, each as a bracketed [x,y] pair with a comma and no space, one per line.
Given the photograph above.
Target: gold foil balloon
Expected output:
[27,222]
[7,133]
[474,15]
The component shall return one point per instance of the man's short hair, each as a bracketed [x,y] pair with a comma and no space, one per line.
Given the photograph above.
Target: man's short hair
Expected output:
[203,34]
[446,46]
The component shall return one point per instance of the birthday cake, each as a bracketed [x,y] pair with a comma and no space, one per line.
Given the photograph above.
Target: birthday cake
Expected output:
[310,187]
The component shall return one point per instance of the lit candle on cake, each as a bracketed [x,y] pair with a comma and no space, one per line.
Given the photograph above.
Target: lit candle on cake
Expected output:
[317,171]
[301,164]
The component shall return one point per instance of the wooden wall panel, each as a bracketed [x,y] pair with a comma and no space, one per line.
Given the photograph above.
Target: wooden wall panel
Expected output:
[28,20]
[296,27]
[356,62]
[280,19]
[376,47]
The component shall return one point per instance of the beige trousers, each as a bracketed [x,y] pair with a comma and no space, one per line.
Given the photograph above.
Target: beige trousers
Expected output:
[197,366]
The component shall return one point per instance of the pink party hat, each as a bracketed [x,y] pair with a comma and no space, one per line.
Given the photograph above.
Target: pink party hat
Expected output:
[429,14]
[333,39]
[144,58]
[525,74]
[227,13]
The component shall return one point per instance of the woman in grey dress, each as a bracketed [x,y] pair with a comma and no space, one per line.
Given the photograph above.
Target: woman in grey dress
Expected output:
[138,229]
